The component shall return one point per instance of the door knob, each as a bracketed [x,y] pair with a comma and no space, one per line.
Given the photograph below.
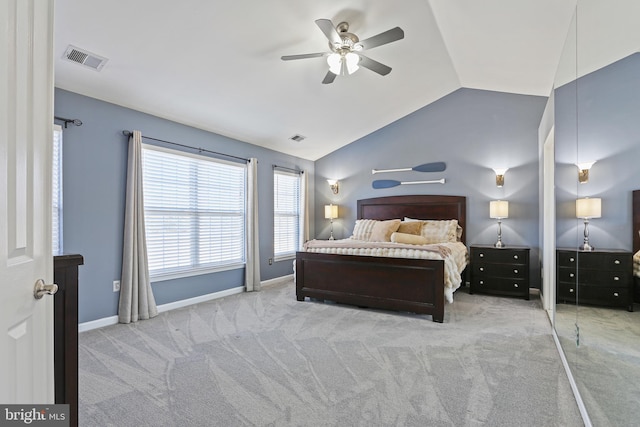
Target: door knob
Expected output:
[41,289]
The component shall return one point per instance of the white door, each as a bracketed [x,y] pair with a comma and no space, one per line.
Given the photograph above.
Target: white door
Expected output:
[26,106]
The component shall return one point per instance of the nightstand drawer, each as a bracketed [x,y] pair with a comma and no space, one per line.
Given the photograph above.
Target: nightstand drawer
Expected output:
[516,256]
[612,297]
[604,261]
[518,271]
[594,277]
[566,292]
[501,285]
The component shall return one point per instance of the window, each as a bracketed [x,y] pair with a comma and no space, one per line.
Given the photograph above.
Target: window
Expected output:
[194,208]
[286,218]
[56,212]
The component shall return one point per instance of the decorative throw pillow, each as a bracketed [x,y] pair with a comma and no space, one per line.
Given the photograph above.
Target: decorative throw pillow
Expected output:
[410,239]
[382,230]
[440,231]
[362,229]
[410,227]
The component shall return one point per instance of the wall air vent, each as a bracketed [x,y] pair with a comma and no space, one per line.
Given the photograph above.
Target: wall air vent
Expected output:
[84,57]
[297,138]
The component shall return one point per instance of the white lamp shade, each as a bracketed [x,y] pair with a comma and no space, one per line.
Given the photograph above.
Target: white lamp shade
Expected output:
[498,209]
[588,208]
[331,211]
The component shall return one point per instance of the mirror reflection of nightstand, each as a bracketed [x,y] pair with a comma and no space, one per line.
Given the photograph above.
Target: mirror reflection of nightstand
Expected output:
[602,277]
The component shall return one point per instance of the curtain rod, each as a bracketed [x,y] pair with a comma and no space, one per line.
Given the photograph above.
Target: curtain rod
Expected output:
[76,122]
[129,133]
[288,169]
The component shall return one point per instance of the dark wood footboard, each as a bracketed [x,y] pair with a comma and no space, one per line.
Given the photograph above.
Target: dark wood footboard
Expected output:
[413,285]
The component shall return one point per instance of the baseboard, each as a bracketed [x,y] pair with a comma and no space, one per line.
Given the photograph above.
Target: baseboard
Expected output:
[202,298]
[572,382]
[276,281]
[112,320]
[98,323]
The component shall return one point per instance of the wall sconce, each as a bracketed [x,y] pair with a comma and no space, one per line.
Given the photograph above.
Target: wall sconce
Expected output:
[331,212]
[583,171]
[500,175]
[588,208]
[499,209]
[333,184]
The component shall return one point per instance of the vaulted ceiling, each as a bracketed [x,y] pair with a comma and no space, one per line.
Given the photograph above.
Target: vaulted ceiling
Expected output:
[216,65]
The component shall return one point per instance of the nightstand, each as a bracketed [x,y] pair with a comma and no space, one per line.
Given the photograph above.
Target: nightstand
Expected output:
[600,277]
[500,271]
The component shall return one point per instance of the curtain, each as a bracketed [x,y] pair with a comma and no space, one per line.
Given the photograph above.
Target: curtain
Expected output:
[304,209]
[136,297]
[252,271]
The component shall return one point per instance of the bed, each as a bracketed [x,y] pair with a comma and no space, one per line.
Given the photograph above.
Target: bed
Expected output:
[636,244]
[390,283]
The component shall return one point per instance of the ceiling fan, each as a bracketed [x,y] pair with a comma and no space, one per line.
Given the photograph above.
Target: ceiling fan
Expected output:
[345,56]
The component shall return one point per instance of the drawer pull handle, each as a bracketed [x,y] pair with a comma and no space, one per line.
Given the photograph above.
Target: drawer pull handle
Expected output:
[515,285]
[571,259]
[616,278]
[515,271]
[571,275]
[481,268]
[615,294]
[515,257]
[482,282]
[481,255]
[571,290]
[616,261]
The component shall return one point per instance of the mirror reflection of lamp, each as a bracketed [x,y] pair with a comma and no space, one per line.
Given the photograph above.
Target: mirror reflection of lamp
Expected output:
[499,209]
[587,208]
[330,213]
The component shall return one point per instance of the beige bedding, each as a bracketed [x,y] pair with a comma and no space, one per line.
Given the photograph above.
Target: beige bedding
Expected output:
[454,255]
[636,264]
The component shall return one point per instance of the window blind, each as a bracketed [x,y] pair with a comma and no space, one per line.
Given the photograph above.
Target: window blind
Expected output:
[194,212]
[56,209]
[286,218]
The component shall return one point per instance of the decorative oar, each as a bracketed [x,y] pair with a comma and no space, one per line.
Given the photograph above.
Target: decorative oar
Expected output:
[389,183]
[427,167]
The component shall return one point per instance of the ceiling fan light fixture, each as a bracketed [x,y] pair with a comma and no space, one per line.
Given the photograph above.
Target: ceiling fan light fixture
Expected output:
[352,60]
[343,64]
[335,63]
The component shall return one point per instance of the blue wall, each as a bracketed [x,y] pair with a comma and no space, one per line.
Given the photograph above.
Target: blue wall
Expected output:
[94,176]
[472,131]
[605,127]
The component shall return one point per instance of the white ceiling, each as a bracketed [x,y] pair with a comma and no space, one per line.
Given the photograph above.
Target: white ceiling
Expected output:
[216,65]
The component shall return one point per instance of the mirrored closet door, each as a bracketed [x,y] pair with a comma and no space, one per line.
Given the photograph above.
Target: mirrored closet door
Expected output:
[597,125]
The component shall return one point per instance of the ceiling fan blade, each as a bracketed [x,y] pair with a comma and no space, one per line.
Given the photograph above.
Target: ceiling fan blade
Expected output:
[329,78]
[303,56]
[388,36]
[374,66]
[329,30]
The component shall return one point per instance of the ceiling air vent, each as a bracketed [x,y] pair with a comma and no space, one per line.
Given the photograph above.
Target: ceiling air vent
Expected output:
[297,138]
[84,57]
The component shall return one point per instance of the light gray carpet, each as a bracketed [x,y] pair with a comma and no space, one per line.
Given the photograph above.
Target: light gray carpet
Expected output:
[265,359]
[606,364]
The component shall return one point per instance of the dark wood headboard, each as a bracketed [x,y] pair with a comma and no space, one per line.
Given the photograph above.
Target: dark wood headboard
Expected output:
[419,207]
[636,220]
